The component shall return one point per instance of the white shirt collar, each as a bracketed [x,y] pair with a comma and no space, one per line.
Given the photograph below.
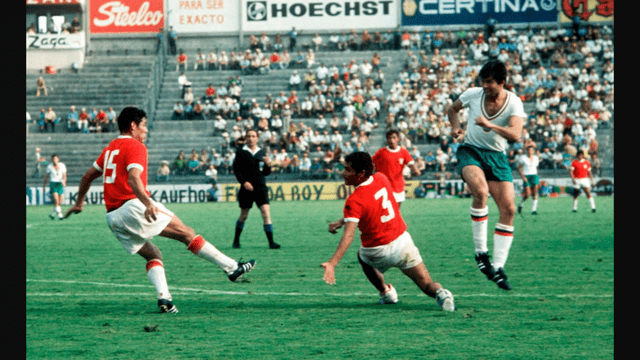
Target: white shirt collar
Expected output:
[366,182]
[393,151]
[246,147]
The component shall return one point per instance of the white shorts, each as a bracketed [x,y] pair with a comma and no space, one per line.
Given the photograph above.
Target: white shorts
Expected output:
[400,253]
[584,183]
[400,197]
[130,227]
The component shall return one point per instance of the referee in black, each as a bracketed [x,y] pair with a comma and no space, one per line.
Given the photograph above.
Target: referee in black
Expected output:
[250,167]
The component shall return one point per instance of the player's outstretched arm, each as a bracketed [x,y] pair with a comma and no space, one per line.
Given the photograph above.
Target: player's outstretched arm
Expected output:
[346,240]
[334,226]
[83,189]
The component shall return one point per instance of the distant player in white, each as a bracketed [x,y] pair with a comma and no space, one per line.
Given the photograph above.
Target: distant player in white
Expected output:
[528,169]
[496,117]
[57,171]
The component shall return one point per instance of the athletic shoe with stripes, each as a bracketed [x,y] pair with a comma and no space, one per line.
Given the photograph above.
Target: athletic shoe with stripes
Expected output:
[445,300]
[484,264]
[242,268]
[166,306]
[501,279]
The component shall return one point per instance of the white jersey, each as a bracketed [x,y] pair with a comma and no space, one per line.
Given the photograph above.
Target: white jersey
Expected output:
[473,98]
[55,175]
[529,166]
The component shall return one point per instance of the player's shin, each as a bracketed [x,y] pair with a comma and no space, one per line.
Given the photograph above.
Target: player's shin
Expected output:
[502,239]
[155,271]
[205,250]
[479,220]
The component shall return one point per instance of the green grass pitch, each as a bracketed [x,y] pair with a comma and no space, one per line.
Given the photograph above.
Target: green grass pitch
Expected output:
[86,298]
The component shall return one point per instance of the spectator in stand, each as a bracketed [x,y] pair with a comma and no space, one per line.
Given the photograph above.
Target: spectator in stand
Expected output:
[212,61]
[317,42]
[310,59]
[163,172]
[173,36]
[182,61]
[294,80]
[193,164]
[223,61]
[178,111]
[179,165]
[41,87]
[72,119]
[50,119]
[275,61]
[101,121]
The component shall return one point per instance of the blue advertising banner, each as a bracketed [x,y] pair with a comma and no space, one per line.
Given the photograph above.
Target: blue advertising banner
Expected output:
[476,12]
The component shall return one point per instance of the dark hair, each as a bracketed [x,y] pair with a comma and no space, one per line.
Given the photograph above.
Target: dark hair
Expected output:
[495,69]
[128,115]
[392,131]
[360,161]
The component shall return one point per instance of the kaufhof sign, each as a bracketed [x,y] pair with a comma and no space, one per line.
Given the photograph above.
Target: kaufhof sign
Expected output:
[280,15]
[126,16]
[469,12]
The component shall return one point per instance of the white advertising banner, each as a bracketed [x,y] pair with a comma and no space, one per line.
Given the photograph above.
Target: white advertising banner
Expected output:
[55,41]
[281,15]
[202,16]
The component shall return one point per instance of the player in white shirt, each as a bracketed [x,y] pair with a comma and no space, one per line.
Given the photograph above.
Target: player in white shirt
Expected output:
[528,169]
[57,172]
[496,117]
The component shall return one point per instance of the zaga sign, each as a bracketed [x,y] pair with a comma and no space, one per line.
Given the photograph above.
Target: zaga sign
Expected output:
[126,16]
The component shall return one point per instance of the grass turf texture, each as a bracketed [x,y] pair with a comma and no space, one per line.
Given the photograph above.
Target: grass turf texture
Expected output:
[87,298]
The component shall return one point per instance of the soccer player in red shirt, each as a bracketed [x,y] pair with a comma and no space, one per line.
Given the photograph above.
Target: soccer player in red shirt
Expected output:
[582,178]
[134,217]
[385,242]
[391,160]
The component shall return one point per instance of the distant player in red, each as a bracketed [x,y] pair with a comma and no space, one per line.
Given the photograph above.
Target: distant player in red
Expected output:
[391,160]
[135,218]
[582,178]
[385,242]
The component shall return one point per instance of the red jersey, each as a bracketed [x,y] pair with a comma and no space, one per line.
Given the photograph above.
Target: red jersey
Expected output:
[376,211]
[122,154]
[391,163]
[580,169]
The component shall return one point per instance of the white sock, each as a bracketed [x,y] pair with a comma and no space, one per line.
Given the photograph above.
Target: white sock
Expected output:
[575,204]
[479,220]
[155,271]
[592,202]
[203,249]
[502,239]
[534,205]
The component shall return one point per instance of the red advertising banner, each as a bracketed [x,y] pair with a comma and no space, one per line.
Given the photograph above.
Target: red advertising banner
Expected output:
[126,16]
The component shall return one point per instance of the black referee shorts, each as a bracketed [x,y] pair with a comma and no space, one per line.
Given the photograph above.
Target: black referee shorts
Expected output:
[259,195]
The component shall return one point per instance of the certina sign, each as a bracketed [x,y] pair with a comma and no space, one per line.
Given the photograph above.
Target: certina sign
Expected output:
[465,12]
[126,16]
[318,14]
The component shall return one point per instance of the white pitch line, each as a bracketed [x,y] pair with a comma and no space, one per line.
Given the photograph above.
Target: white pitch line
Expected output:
[195,291]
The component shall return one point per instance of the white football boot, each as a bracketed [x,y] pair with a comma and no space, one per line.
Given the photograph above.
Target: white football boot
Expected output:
[445,299]
[390,296]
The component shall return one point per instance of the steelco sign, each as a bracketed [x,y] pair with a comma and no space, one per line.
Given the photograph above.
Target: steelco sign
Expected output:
[318,14]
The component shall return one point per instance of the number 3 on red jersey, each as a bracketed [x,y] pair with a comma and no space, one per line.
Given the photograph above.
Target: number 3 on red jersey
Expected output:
[386,204]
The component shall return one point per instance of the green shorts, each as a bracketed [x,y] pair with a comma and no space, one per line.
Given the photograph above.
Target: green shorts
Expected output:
[56,187]
[532,180]
[494,164]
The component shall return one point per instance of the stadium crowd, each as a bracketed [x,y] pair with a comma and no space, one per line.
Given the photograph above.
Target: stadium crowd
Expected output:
[565,77]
